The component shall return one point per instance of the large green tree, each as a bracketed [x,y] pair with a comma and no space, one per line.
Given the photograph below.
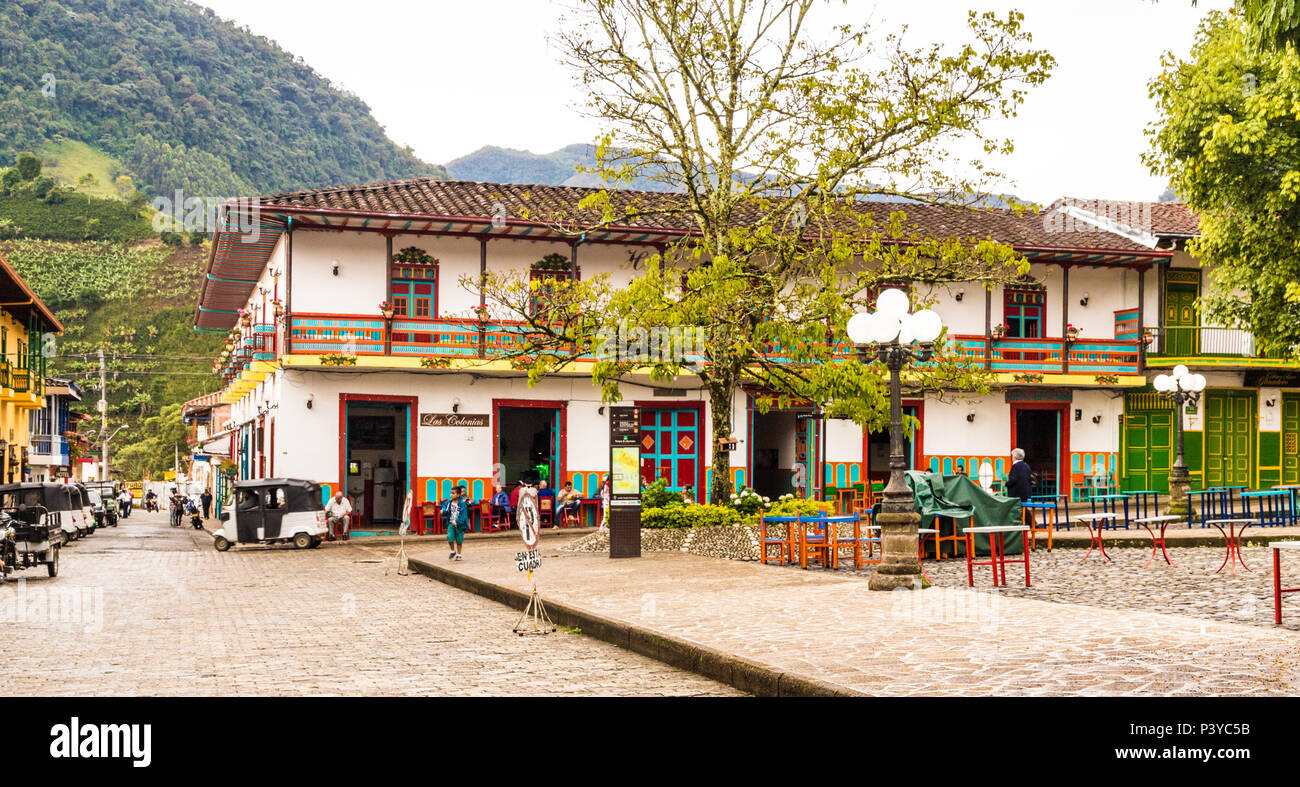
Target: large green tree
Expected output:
[772,137]
[1228,140]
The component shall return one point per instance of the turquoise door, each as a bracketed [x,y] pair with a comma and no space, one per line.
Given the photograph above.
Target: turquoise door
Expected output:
[670,448]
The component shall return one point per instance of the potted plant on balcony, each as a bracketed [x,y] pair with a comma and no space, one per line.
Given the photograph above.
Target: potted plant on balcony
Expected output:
[552,262]
[1148,336]
[999,331]
[1071,333]
[386,309]
[278,306]
[413,255]
[245,317]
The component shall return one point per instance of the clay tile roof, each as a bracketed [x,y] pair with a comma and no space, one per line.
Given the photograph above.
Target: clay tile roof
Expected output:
[1157,218]
[203,402]
[426,197]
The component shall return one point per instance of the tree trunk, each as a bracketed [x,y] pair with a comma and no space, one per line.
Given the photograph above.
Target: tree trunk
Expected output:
[721,395]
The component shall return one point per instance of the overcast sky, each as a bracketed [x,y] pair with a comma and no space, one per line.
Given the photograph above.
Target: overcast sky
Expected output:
[449,76]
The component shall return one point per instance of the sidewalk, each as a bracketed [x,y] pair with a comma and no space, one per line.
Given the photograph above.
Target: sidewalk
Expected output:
[771,630]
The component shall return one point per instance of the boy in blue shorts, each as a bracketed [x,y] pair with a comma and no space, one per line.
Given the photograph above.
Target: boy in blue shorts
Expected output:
[456,514]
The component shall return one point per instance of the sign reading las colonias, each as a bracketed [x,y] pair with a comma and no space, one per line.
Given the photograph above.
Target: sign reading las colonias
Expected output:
[455,419]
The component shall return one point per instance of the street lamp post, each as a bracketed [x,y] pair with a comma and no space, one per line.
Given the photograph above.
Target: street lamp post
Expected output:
[1182,388]
[894,337]
[103,475]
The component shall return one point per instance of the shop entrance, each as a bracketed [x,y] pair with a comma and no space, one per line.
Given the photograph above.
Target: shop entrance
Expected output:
[377,450]
[875,452]
[773,442]
[1039,431]
[528,442]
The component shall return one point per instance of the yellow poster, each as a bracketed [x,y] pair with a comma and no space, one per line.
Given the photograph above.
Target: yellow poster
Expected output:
[626,461]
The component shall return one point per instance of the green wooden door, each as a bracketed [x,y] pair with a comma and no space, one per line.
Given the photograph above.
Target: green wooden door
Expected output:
[1182,336]
[1148,449]
[1290,439]
[1229,432]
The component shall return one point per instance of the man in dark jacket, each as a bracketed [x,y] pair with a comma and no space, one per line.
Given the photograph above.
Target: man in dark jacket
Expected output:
[1019,481]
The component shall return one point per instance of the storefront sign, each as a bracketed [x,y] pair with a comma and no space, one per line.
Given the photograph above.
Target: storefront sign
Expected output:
[1040,395]
[455,419]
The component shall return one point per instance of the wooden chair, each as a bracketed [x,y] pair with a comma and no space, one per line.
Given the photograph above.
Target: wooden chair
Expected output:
[953,538]
[487,518]
[546,510]
[430,518]
[766,541]
[815,544]
[1043,521]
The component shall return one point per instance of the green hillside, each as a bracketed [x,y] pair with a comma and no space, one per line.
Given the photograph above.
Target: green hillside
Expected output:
[182,99]
[135,302]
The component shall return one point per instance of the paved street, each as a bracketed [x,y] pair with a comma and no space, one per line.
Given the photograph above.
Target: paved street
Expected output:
[145,609]
[950,639]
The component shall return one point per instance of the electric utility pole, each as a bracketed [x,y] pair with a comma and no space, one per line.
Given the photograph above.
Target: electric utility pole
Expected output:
[103,419]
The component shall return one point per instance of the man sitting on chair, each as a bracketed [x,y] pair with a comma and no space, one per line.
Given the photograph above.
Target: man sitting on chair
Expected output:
[566,502]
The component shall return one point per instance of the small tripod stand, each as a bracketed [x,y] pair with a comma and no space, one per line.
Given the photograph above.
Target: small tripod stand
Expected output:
[535,613]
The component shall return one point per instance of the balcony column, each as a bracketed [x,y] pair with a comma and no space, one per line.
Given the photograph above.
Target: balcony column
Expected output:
[988,328]
[288,288]
[482,295]
[1065,319]
[1142,323]
[388,291]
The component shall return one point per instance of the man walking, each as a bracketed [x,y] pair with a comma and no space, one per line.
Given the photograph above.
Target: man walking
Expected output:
[1020,482]
[456,514]
[206,499]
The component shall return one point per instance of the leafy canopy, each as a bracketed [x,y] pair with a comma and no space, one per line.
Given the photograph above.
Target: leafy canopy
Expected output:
[1228,139]
[771,141]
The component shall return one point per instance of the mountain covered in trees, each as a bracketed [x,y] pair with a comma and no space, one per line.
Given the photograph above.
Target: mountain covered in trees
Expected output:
[182,99]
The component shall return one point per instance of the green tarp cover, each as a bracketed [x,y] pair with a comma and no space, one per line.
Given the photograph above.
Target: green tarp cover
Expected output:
[939,495]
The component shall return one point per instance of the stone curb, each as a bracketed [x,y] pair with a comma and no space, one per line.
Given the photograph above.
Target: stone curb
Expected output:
[734,671]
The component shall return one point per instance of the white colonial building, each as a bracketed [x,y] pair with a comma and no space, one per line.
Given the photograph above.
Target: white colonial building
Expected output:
[323,386]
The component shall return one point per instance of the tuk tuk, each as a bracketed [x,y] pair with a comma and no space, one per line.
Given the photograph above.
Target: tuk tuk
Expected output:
[81,502]
[103,503]
[38,513]
[27,536]
[273,511]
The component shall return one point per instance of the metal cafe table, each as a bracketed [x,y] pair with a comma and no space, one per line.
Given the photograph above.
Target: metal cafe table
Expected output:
[1163,522]
[1110,504]
[997,552]
[1232,538]
[1094,523]
[1278,590]
[1274,506]
[1146,503]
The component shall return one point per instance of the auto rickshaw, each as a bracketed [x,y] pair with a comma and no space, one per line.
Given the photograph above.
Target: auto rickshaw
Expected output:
[61,503]
[28,536]
[273,511]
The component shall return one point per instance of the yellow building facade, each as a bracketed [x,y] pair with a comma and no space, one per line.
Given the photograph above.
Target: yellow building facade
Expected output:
[27,332]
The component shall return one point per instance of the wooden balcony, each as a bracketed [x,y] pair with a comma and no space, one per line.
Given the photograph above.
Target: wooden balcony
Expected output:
[1209,345]
[451,339]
